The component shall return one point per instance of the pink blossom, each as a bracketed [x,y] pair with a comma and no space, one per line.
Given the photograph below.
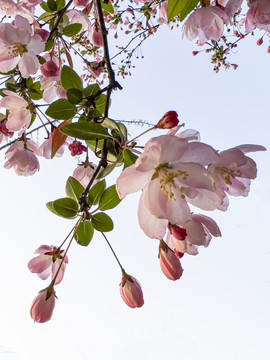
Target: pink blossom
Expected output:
[78,17]
[22,156]
[20,115]
[80,3]
[48,262]
[8,8]
[233,170]
[232,7]
[258,16]
[131,291]
[206,23]
[171,172]
[52,88]
[95,68]
[163,13]
[169,262]
[84,172]
[19,47]
[43,305]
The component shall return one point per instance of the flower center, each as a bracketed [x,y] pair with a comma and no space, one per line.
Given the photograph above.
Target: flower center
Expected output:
[166,176]
[17,49]
[228,174]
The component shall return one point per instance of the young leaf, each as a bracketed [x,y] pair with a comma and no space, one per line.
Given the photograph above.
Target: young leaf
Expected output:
[52,5]
[70,79]
[74,189]
[100,103]
[61,109]
[102,222]
[188,8]
[60,4]
[109,199]
[84,233]
[72,29]
[58,138]
[64,207]
[176,7]
[95,192]
[85,130]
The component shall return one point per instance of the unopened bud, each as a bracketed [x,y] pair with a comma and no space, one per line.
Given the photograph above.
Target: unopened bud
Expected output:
[177,232]
[194,53]
[131,291]
[168,121]
[260,41]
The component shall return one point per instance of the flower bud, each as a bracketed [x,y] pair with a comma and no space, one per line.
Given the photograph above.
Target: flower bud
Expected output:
[80,3]
[50,69]
[260,41]
[169,262]
[168,121]
[97,36]
[131,291]
[43,305]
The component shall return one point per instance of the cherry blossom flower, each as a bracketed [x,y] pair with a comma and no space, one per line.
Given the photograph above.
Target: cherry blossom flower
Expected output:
[19,47]
[233,171]
[258,16]
[163,13]
[232,7]
[50,69]
[84,172]
[43,305]
[206,23]
[47,263]
[171,172]
[20,113]
[131,291]
[95,68]
[22,156]
[169,262]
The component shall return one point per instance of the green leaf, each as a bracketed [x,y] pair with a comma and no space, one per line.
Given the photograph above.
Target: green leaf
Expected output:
[96,192]
[91,90]
[49,44]
[188,8]
[70,79]
[74,189]
[100,103]
[45,7]
[47,16]
[94,114]
[129,158]
[72,29]
[84,233]
[60,4]
[109,199]
[64,207]
[35,94]
[86,131]
[52,5]
[176,7]
[74,95]
[96,147]
[102,222]
[61,109]
[107,7]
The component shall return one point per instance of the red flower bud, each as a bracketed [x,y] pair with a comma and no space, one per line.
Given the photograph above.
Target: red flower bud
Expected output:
[177,232]
[131,291]
[168,121]
[169,262]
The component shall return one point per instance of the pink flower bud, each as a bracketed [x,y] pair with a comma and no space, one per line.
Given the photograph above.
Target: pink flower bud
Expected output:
[131,291]
[260,41]
[169,262]
[50,69]
[168,121]
[97,36]
[80,3]
[44,34]
[43,305]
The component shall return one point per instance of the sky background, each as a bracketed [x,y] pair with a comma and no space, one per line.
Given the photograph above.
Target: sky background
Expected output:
[219,309]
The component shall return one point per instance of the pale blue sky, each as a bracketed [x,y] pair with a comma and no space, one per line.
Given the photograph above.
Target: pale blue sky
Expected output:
[219,309]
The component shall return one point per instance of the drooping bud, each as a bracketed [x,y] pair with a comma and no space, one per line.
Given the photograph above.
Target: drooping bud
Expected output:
[43,305]
[169,262]
[131,291]
[168,121]
[97,35]
[50,69]
[77,148]
[177,232]
[260,41]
